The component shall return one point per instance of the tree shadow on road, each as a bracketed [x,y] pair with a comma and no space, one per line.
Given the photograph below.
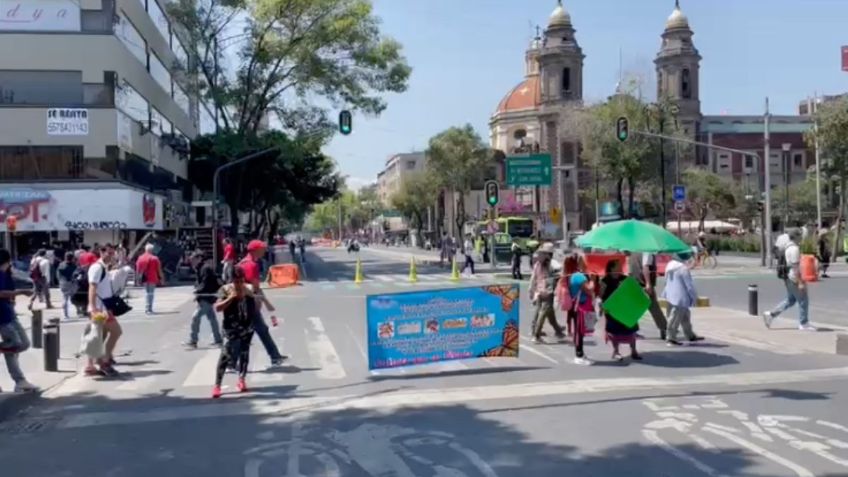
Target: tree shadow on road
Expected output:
[687,359]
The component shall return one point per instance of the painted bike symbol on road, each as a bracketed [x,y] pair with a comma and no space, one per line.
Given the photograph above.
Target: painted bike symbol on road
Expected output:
[702,420]
[375,450]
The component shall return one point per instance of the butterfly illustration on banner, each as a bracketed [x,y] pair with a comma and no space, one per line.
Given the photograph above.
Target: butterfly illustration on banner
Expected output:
[509,343]
[509,295]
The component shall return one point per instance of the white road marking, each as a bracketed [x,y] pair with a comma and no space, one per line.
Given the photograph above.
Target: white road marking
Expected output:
[203,372]
[536,352]
[448,396]
[654,437]
[794,467]
[384,278]
[322,351]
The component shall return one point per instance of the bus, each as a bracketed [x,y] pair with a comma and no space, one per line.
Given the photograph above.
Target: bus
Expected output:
[509,228]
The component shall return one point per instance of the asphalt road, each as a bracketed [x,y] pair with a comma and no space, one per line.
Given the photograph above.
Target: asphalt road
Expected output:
[718,409]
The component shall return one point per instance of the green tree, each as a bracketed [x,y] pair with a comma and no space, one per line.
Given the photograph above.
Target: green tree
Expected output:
[416,194]
[708,193]
[255,57]
[460,162]
[831,136]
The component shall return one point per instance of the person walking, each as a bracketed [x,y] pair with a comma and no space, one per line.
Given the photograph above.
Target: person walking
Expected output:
[681,296]
[67,285]
[39,272]
[468,251]
[148,269]
[205,289]
[617,333]
[515,260]
[237,302]
[99,289]
[789,270]
[293,250]
[301,244]
[824,252]
[643,268]
[542,292]
[582,292]
[229,260]
[252,273]
[13,337]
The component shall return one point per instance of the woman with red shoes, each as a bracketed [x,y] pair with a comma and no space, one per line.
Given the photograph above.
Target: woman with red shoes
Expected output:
[237,302]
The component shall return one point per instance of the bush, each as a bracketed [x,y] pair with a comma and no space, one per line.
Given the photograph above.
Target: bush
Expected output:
[741,243]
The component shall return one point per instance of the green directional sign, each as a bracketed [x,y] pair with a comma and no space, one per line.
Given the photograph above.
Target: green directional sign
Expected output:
[530,170]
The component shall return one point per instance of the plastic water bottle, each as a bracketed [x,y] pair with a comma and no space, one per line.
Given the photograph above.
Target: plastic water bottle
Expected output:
[274,321]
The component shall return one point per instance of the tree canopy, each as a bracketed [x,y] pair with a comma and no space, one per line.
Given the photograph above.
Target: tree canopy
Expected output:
[708,193]
[416,194]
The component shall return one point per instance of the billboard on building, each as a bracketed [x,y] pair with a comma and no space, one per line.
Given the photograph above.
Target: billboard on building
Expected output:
[57,209]
[67,122]
[39,15]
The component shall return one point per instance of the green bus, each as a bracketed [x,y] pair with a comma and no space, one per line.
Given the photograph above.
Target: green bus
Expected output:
[510,228]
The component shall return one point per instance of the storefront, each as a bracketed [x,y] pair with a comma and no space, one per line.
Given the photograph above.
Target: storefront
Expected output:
[79,213]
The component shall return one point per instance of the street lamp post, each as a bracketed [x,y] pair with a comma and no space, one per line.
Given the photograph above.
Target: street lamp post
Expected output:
[786,180]
[215,177]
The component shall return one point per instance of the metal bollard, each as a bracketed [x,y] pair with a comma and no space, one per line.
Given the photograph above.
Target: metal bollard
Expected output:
[51,347]
[753,300]
[57,321]
[37,322]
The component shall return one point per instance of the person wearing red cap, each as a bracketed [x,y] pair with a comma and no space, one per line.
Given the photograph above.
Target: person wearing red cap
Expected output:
[252,274]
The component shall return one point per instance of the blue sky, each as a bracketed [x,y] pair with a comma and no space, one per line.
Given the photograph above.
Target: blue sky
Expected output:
[466,54]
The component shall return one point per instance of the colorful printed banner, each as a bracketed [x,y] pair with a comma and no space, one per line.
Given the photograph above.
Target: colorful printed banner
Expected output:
[439,325]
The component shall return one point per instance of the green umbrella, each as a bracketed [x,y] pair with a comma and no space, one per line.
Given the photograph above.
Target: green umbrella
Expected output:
[633,236]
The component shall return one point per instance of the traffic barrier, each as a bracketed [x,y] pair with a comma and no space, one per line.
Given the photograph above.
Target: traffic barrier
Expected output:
[454,271]
[701,302]
[51,346]
[753,300]
[809,268]
[413,273]
[596,263]
[358,274]
[282,276]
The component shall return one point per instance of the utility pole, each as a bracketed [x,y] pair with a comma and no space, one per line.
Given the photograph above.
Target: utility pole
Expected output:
[340,219]
[818,167]
[662,170]
[767,185]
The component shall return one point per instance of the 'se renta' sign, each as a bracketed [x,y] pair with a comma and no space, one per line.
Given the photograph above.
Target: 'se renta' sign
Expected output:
[67,122]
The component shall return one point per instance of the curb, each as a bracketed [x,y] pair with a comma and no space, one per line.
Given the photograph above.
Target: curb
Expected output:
[12,403]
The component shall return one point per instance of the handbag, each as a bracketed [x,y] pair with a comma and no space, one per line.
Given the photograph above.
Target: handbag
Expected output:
[115,304]
[92,342]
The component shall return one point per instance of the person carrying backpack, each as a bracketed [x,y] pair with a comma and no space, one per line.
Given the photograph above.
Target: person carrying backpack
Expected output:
[65,272]
[788,256]
[39,272]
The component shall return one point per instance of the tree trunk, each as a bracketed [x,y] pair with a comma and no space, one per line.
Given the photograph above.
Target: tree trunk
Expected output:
[620,197]
[840,217]
[234,220]
[460,213]
[630,193]
[419,225]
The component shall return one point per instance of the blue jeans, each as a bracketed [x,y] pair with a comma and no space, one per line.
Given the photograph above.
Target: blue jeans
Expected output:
[13,335]
[261,329]
[150,290]
[67,306]
[794,295]
[204,308]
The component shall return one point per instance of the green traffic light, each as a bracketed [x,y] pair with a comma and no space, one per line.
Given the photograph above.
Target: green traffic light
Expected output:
[622,135]
[345,122]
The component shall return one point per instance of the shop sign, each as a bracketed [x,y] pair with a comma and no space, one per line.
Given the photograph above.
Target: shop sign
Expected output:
[39,15]
[67,122]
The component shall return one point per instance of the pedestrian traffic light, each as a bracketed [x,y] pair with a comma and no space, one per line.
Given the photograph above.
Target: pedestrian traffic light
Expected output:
[622,129]
[345,122]
[760,205]
[492,192]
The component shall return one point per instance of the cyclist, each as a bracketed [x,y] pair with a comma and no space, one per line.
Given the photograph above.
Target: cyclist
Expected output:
[700,247]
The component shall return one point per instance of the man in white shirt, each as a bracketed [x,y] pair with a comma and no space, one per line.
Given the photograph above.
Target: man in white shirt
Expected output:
[789,269]
[643,268]
[100,288]
[39,272]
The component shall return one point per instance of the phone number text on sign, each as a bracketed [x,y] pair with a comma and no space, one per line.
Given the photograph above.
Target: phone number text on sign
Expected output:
[67,122]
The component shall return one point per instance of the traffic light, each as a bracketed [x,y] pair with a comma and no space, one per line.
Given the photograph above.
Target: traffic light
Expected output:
[760,206]
[622,129]
[492,192]
[345,122]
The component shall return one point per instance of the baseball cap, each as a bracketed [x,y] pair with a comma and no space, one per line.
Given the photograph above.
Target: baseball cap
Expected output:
[255,245]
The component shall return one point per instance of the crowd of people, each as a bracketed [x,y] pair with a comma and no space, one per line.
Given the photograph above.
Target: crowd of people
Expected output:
[580,296]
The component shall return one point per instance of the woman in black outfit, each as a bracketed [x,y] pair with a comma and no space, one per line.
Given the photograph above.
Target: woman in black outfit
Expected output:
[238,304]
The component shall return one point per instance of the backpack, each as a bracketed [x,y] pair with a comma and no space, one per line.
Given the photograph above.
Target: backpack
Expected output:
[35,270]
[782,267]
[563,294]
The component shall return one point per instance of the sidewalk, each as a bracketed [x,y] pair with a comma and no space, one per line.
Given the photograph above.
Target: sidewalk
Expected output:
[32,361]
[740,328]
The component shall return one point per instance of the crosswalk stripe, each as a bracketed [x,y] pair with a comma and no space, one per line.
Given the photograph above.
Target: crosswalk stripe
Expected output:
[203,372]
[384,278]
[538,353]
[322,351]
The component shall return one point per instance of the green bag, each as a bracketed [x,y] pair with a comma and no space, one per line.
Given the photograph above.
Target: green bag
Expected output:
[628,303]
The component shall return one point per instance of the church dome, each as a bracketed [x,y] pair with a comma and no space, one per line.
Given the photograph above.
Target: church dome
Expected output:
[527,95]
[559,17]
[677,19]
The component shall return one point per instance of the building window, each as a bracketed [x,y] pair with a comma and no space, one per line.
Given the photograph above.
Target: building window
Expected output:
[798,160]
[53,88]
[207,120]
[724,162]
[131,38]
[160,124]
[180,52]
[181,98]
[41,162]
[160,20]
[133,104]
[749,162]
[566,80]
[685,84]
[410,165]
[660,87]
[160,73]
